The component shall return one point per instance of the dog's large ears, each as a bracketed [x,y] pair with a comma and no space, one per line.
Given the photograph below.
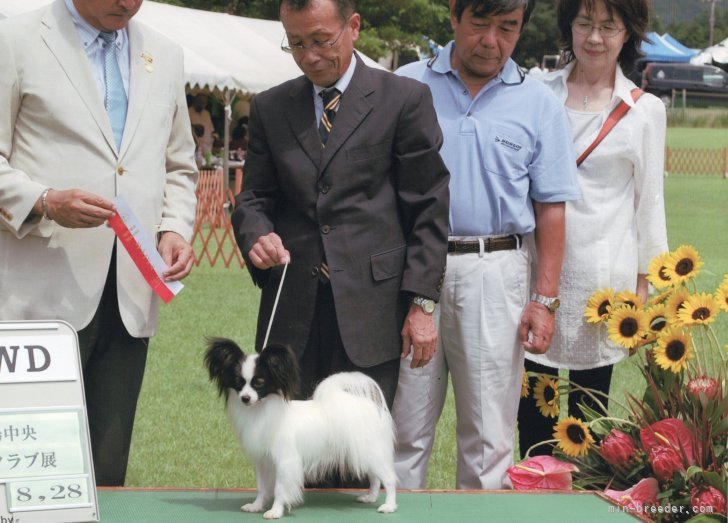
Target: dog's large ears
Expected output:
[282,364]
[221,359]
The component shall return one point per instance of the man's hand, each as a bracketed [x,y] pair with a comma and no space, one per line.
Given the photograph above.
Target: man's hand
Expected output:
[268,252]
[419,335]
[177,254]
[75,208]
[536,328]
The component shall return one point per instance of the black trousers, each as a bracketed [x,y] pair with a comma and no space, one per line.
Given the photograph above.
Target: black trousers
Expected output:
[113,368]
[533,427]
[325,355]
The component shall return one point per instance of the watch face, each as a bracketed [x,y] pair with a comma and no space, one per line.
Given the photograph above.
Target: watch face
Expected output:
[555,305]
[428,306]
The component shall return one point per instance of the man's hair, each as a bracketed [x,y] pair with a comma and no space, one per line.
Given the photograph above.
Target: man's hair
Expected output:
[345,7]
[484,8]
[634,13]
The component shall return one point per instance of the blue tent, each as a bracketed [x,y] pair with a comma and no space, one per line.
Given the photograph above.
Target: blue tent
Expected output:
[667,37]
[661,50]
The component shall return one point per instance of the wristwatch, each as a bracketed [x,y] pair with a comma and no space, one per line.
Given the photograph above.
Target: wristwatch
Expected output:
[426,304]
[552,304]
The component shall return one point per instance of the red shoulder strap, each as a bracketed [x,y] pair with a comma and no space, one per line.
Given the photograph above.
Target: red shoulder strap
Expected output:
[616,115]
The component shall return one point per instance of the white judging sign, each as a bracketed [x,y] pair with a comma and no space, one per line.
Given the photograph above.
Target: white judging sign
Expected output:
[46,472]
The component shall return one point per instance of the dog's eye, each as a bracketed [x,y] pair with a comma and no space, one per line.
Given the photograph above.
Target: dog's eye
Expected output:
[238,383]
[258,383]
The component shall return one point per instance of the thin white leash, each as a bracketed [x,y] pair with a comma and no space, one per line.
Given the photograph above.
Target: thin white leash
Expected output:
[275,306]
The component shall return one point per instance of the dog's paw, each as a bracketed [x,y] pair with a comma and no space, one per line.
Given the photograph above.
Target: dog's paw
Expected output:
[387,508]
[273,513]
[367,498]
[252,507]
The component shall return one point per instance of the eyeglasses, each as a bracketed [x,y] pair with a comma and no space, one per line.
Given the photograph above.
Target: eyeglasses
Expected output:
[316,46]
[586,29]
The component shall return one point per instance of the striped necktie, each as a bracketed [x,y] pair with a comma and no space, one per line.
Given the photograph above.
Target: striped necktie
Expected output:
[331,98]
[115,97]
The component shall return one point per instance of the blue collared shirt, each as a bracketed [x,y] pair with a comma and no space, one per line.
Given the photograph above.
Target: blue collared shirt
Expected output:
[341,84]
[507,146]
[93,46]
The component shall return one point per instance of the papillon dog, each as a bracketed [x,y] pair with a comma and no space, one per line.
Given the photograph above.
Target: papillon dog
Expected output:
[345,428]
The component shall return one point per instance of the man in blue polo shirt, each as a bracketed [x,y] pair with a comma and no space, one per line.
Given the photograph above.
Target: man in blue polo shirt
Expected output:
[509,151]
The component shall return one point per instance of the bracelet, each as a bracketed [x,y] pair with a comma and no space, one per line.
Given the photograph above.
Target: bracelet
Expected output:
[44,204]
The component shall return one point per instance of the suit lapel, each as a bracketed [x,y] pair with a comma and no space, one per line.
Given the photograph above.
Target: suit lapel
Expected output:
[301,117]
[140,82]
[353,109]
[61,37]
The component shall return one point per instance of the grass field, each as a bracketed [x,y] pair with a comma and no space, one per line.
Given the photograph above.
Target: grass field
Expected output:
[182,438]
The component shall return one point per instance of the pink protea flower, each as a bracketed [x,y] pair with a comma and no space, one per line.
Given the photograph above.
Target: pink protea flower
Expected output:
[705,496]
[703,384]
[669,432]
[617,448]
[665,462]
[638,496]
[541,472]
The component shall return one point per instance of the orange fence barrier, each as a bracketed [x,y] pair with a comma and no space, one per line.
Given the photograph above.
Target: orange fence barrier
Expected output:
[213,237]
[696,161]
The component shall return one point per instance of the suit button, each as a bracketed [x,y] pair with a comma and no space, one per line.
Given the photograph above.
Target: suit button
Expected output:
[324,189]
[325,229]
[120,170]
[314,271]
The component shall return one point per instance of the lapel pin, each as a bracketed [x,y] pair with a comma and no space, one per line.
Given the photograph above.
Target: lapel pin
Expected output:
[147,61]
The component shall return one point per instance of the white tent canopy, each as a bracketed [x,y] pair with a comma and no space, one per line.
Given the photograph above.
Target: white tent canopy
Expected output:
[222,52]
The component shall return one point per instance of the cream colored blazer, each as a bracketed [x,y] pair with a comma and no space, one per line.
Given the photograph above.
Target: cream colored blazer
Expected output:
[54,132]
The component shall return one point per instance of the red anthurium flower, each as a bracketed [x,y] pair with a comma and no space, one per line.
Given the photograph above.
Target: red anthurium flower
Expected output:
[638,496]
[669,432]
[705,496]
[617,448]
[541,472]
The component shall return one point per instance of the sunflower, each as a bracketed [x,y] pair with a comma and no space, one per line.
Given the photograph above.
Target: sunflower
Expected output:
[674,304]
[524,385]
[699,309]
[629,299]
[573,437]
[656,274]
[721,294]
[626,327]
[683,264]
[674,348]
[546,394]
[660,298]
[599,306]
[656,320]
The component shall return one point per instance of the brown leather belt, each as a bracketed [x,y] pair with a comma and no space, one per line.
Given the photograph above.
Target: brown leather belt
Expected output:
[502,243]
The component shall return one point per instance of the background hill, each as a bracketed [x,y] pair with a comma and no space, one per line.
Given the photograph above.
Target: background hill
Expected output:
[680,11]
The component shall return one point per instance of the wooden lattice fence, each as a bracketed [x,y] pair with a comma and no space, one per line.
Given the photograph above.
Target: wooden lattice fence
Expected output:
[696,161]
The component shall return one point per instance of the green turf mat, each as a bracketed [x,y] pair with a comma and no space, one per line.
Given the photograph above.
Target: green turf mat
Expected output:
[210,506]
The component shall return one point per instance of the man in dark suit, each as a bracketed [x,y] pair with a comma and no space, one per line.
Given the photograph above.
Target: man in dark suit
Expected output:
[352,191]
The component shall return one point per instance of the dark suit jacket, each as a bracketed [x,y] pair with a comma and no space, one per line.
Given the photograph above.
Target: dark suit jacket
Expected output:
[374,202]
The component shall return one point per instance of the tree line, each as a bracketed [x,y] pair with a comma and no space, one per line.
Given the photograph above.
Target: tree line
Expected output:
[398,26]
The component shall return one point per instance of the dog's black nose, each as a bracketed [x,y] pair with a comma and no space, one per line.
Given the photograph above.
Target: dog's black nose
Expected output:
[245,398]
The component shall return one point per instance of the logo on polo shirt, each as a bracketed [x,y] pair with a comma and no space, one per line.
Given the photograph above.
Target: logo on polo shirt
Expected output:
[506,142]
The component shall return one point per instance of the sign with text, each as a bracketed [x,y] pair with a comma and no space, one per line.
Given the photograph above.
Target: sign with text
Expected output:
[46,471]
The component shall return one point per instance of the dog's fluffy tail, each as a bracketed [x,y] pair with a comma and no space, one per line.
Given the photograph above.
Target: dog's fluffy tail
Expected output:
[362,430]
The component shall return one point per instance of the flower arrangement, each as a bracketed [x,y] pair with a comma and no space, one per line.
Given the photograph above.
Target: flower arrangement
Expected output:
[667,458]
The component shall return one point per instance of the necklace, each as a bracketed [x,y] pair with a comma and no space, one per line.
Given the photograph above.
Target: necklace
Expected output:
[585,103]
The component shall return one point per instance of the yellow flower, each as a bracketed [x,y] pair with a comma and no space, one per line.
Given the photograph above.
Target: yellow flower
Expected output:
[524,385]
[626,327]
[656,274]
[674,304]
[599,306]
[629,299]
[683,264]
[573,437]
[699,309]
[674,348]
[656,321]
[721,294]
[546,394]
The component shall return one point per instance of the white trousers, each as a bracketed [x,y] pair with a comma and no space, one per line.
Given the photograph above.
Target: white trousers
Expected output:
[480,307]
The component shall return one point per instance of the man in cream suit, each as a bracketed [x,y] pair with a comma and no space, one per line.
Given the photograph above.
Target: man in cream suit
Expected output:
[79,124]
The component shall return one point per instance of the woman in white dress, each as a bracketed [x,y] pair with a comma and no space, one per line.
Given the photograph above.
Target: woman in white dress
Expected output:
[619,225]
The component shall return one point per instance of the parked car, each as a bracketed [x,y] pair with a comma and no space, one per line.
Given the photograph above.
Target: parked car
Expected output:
[703,84]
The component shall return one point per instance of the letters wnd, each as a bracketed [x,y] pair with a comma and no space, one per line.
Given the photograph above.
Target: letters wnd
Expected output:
[38,358]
